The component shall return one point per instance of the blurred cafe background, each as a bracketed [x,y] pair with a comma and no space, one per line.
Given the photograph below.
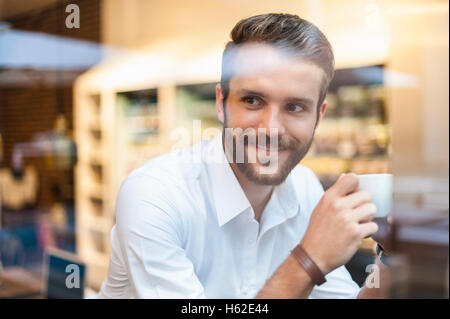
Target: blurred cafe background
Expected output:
[91,89]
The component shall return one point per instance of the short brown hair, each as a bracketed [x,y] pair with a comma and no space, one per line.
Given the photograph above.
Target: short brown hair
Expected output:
[286,31]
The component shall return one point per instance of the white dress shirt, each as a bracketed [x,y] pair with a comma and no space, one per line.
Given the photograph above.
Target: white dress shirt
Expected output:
[185,229]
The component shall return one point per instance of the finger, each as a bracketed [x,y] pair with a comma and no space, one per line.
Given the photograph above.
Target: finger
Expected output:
[364,213]
[367,229]
[347,184]
[357,199]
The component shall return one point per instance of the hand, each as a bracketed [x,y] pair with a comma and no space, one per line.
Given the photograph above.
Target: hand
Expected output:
[341,219]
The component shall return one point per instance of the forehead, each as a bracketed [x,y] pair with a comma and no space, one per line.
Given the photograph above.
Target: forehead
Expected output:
[261,67]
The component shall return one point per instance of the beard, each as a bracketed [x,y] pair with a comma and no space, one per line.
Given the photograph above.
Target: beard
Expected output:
[258,173]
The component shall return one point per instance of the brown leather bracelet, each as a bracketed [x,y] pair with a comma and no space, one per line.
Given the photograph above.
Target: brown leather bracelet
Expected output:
[309,265]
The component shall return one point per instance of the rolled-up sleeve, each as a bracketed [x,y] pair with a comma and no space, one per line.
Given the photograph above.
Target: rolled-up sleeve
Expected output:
[149,244]
[339,285]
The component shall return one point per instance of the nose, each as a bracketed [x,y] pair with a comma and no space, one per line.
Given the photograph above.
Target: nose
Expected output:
[272,119]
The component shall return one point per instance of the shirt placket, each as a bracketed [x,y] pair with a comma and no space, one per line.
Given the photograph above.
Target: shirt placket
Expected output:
[248,288]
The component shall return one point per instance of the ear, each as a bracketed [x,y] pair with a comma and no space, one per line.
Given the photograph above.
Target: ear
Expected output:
[219,102]
[322,109]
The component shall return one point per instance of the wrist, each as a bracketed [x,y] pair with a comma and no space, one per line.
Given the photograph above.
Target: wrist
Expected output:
[309,265]
[320,262]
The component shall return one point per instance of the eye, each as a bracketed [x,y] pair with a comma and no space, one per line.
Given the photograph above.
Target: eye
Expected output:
[251,100]
[294,108]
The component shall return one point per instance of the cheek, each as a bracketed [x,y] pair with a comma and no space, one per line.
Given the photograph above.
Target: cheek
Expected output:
[240,117]
[301,130]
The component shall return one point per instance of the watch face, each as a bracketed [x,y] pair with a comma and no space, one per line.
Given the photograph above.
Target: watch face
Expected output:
[379,250]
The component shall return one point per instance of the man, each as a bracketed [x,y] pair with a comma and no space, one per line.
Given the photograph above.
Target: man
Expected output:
[245,220]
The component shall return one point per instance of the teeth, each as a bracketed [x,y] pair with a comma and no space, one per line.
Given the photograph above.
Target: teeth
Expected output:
[262,148]
[270,149]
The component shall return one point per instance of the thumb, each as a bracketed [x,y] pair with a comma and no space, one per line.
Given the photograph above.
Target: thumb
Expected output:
[346,184]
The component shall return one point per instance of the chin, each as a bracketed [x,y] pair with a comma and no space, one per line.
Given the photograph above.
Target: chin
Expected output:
[263,175]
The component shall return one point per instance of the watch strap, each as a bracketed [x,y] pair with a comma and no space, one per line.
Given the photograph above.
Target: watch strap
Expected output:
[309,265]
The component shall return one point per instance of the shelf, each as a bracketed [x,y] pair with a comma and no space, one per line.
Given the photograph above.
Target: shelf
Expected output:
[96,223]
[95,258]
[91,190]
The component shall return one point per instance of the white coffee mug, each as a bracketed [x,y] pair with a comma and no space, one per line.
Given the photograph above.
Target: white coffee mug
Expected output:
[380,188]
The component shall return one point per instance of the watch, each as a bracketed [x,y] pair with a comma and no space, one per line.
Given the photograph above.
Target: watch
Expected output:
[311,268]
[381,254]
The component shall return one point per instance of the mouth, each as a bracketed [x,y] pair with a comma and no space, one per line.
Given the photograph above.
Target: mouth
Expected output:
[268,151]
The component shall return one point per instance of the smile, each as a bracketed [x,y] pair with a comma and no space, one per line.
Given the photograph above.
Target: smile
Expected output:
[268,151]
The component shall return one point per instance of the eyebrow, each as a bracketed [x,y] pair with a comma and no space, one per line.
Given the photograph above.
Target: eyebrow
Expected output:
[300,100]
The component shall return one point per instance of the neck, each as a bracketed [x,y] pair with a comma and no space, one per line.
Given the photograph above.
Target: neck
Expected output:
[258,195]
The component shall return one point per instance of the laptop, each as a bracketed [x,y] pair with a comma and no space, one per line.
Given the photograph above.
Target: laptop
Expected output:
[64,275]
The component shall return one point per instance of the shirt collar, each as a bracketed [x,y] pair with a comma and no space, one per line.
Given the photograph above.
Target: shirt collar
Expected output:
[229,197]
[283,204]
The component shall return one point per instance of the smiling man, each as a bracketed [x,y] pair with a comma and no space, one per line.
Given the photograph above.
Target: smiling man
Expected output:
[246,220]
